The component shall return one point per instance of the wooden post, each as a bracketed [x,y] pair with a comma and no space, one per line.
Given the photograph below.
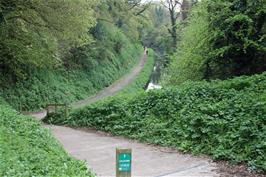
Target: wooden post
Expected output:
[66,111]
[123,162]
[55,109]
[47,110]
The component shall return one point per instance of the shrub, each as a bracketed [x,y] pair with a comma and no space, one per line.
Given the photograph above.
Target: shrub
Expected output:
[27,149]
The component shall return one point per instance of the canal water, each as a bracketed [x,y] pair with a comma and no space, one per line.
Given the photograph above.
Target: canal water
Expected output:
[155,75]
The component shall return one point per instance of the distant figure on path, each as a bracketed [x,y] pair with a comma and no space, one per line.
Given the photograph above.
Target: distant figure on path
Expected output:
[145,50]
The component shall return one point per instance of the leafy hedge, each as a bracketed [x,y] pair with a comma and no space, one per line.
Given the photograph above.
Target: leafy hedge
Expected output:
[26,149]
[225,119]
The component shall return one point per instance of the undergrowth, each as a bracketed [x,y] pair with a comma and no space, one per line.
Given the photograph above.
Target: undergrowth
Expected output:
[224,119]
[27,149]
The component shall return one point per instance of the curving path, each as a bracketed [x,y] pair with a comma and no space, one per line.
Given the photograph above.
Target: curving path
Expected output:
[115,87]
[98,149]
[108,91]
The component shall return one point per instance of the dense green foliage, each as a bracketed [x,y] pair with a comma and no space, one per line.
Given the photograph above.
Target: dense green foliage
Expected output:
[221,39]
[65,87]
[187,62]
[26,149]
[155,34]
[136,86]
[38,34]
[238,38]
[225,119]
[79,64]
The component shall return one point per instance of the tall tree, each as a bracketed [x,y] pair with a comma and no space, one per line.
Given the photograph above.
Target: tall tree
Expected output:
[178,9]
[173,7]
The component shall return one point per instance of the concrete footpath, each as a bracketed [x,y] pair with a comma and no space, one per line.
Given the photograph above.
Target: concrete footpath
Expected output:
[98,150]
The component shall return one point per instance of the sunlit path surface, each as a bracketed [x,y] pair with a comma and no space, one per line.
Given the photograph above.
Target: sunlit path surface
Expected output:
[98,150]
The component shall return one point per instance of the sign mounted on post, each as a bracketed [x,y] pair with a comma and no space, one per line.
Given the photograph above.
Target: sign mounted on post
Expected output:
[123,162]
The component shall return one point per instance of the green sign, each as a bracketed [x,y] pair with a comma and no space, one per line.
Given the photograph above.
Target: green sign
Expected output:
[124,162]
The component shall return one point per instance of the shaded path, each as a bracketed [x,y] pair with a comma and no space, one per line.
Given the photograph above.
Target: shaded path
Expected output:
[98,149]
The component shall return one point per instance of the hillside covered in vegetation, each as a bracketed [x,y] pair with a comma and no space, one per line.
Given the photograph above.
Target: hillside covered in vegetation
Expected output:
[212,54]
[58,51]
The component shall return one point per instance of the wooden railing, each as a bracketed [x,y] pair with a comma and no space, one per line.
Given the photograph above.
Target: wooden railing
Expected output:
[53,108]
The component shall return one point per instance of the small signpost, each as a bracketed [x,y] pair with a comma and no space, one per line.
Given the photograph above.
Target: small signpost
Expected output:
[123,162]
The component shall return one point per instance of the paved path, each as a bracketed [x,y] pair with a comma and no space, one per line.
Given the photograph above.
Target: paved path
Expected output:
[98,149]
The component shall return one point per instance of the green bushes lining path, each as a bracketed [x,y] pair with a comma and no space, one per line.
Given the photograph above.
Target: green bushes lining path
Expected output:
[135,87]
[224,119]
[26,149]
[49,86]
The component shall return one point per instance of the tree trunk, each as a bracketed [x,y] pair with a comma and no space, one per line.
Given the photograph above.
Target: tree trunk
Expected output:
[185,7]
[174,28]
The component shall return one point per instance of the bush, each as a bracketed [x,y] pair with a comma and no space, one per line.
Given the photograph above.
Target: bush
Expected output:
[237,37]
[225,119]
[27,149]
